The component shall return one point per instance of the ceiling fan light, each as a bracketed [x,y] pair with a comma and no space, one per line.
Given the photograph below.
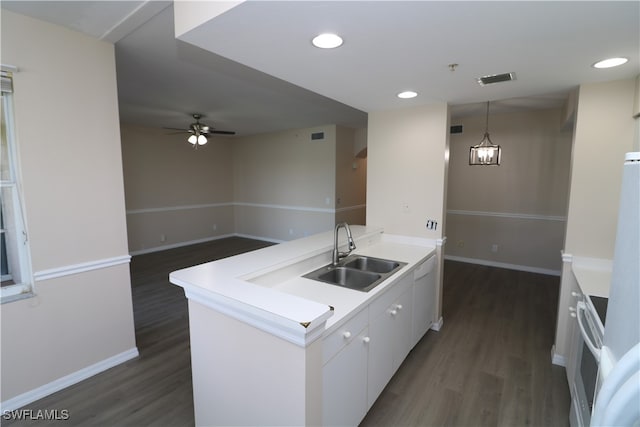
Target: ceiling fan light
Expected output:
[193,139]
[202,139]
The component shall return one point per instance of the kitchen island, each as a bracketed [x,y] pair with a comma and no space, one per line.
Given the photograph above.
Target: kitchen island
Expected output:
[271,347]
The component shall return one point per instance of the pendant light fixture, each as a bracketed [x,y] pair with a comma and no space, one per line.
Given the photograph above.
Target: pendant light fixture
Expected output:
[485,153]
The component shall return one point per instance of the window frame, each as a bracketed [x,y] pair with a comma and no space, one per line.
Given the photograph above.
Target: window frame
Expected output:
[18,253]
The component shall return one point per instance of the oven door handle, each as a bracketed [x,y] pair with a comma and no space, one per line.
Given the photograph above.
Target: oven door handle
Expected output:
[582,307]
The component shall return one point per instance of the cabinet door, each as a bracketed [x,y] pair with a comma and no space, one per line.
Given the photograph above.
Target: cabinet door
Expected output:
[390,332]
[344,395]
[401,319]
[380,355]
[424,295]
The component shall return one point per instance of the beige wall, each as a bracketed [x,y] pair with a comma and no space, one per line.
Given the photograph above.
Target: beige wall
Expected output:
[174,193]
[604,133]
[351,177]
[278,186]
[284,183]
[286,168]
[406,169]
[66,116]
[520,206]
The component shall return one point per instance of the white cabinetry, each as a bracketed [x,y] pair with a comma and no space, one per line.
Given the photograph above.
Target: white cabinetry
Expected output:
[361,356]
[390,332]
[344,375]
[424,294]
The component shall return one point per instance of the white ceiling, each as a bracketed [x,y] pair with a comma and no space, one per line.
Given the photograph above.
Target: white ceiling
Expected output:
[389,46]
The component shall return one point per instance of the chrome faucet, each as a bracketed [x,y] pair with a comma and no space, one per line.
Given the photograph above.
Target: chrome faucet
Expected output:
[336,254]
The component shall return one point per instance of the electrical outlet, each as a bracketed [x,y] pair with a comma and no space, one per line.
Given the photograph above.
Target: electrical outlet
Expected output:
[494,248]
[431,224]
[163,238]
[405,207]
[215,227]
[461,243]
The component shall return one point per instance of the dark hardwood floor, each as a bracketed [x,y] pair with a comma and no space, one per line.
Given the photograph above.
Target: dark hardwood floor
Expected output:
[155,388]
[489,365]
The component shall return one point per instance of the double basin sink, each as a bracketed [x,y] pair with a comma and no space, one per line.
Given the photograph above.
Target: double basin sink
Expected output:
[358,272]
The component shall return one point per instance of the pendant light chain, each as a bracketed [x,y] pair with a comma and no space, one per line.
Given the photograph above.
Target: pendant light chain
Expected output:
[486,125]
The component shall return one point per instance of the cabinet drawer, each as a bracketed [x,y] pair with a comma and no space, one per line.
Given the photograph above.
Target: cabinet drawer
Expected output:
[385,300]
[342,336]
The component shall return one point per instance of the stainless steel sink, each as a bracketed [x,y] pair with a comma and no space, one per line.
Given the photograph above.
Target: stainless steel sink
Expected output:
[375,265]
[356,272]
[348,277]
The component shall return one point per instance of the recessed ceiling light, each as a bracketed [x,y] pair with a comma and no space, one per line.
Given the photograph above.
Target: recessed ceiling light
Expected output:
[611,62]
[327,41]
[407,94]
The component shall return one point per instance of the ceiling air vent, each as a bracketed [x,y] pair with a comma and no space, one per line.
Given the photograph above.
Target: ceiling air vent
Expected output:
[496,78]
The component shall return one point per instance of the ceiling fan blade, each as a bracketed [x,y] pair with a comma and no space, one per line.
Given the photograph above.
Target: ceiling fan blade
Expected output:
[183,130]
[222,132]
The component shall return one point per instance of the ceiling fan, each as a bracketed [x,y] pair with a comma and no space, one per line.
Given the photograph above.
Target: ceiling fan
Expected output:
[200,131]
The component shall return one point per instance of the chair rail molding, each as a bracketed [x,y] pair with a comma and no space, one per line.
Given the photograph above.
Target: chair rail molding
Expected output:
[513,215]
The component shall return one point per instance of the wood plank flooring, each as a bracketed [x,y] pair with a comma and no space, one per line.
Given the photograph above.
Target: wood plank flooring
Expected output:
[154,389]
[489,365]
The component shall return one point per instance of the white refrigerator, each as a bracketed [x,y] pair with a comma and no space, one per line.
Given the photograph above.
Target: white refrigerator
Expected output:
[617,400]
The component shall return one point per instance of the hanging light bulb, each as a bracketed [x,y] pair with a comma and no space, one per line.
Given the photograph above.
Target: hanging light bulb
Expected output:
[485,153]
[202,139]
[193,139]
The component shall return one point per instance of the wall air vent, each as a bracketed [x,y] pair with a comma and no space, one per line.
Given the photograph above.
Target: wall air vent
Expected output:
[317,136]
[496,78]
[455,129]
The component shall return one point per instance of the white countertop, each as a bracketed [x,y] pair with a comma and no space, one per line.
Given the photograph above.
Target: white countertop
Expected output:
[593,275]
[265,288]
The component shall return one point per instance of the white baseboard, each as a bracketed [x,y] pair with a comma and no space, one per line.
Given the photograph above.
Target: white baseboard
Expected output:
[66,381]
[508,266]
[557,359]
[436,326]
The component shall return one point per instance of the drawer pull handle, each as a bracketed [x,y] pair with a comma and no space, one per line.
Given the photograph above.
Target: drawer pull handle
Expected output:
[399,307]
[393,312]
[366,340]
[347,335]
